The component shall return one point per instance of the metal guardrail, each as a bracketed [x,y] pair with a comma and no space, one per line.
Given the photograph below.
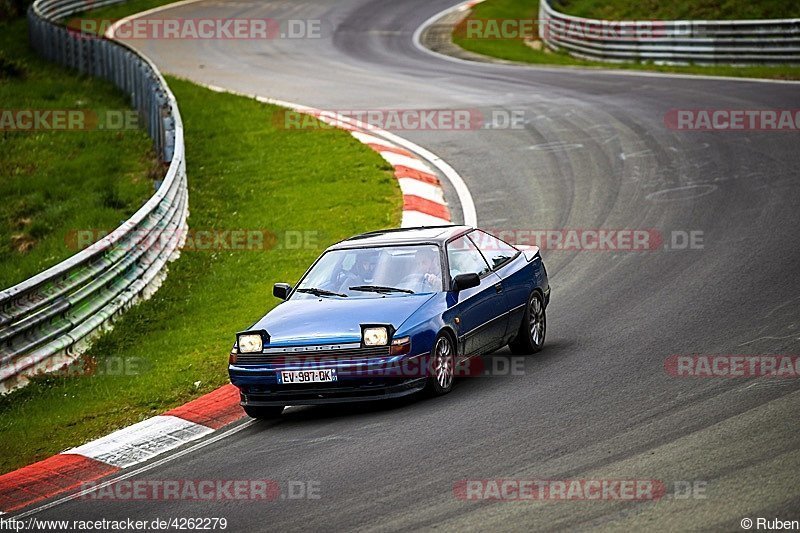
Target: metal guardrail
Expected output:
[48,320]
[734,42]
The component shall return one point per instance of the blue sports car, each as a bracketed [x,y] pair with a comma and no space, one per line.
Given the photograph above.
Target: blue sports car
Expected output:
[389,313]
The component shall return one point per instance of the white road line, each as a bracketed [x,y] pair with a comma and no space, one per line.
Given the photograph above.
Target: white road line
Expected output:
[464,196]
[469,214]
[417,42]
[109,33]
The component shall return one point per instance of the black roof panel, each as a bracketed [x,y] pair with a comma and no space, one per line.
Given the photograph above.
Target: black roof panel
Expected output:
[402,236]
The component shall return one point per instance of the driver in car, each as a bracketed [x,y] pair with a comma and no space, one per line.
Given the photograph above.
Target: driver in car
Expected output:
[361,273]
[430,278]
[364,268]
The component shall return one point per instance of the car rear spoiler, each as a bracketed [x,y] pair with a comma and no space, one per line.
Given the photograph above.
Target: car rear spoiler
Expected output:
[530,252]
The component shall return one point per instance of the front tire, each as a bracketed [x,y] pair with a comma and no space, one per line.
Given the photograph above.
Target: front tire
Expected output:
[263,412]
[530,337]
[442,366]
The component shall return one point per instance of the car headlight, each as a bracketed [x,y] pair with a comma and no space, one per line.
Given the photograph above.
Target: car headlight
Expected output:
[376,336]
[250,343]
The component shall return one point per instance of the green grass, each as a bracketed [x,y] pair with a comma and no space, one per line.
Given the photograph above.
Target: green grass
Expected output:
[518,50]
[118,11]
[680,9]
[244,173]
[53,182]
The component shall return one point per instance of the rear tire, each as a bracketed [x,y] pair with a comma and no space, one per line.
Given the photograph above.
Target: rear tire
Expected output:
[530,337]
[263,412]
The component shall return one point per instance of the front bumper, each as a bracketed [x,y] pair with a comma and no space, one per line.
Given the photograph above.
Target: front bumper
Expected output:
[316,395]
[357,381]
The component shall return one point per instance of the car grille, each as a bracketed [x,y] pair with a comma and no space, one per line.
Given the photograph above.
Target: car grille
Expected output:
[366,352]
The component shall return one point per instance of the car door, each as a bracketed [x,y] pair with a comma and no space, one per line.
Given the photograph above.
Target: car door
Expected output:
[481,310]
[500,256]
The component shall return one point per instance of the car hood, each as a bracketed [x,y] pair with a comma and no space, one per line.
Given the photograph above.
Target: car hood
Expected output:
[331,320]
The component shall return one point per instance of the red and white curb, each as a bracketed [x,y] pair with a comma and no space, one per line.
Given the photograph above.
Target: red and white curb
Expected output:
[126,447]
[414,167]
[417,171]
[423,197]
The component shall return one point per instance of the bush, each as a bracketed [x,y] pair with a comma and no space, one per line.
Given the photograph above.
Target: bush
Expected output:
[10,68]
[10,9]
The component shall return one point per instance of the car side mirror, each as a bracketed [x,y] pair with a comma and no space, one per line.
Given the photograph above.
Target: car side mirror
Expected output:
[466,281]
[281,290]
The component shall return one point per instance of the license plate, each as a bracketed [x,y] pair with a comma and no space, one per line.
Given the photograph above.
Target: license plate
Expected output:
[287,377]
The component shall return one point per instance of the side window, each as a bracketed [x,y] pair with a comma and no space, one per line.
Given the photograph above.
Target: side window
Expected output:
[495,251]
[464,258]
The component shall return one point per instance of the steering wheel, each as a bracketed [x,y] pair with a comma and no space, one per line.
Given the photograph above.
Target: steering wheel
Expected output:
[417,280]
[344,280]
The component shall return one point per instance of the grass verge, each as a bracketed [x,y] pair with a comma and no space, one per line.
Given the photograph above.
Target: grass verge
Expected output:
[518,50]
[245,173]
[115,12]
[680,9]
[54,181]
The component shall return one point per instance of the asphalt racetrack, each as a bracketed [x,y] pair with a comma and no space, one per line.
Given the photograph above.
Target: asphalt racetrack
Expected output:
[593,151]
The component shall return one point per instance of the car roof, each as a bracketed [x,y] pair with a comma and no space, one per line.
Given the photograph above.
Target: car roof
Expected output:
[418,235]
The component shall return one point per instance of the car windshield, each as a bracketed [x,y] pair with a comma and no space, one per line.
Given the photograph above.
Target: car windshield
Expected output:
[374,273]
